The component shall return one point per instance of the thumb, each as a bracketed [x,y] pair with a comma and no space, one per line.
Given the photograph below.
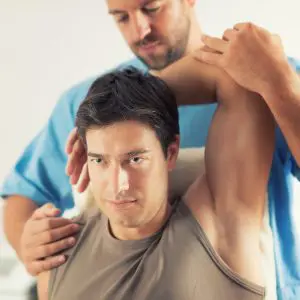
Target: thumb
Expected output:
[45,211]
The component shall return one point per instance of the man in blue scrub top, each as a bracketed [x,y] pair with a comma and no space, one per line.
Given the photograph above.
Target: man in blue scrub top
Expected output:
[160,32]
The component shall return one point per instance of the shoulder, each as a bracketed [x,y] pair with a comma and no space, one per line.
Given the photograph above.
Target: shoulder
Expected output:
[88,219]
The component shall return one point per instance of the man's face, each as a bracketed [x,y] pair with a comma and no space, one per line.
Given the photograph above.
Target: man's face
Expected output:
[128,172]
[157,31]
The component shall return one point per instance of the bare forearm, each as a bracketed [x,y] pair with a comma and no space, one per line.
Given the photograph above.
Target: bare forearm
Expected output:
[283,99]
[192,81]
[43,285]
[17,211]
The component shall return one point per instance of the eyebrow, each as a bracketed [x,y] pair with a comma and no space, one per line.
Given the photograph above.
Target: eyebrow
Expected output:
[91,154]
[137,152]
[130,154]
[119,11]
[116,11]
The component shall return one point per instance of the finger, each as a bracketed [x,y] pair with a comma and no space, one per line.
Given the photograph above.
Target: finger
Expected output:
[51,249]
[215,43]
[247,26]
[47,210]
[72,138]
[47,264]
[84,179]
[207,49]
[229,34]
[47,224]
[74,157]
[208,57]
[241,25]
[78,170]
[54,235]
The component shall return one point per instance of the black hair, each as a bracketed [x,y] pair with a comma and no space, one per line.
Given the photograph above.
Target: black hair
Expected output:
[130,94]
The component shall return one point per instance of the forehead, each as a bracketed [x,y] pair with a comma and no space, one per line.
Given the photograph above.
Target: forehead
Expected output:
[120,138]
[128,4]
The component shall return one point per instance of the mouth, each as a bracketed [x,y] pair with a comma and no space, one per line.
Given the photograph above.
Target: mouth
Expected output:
[149,46]
[122,204]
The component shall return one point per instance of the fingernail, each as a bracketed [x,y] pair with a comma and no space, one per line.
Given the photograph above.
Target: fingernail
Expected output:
[75,227]
[50,205]
[61,259]
[71,241]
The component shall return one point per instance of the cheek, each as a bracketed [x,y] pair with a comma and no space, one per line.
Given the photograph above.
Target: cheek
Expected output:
[97,179]
[155,179]
[127,35]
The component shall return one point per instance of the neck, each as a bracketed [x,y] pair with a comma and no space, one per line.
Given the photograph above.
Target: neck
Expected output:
[195,35]
[144,231]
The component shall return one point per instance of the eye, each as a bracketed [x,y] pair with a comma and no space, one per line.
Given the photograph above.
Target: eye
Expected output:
[136,160]
[122,19]
[151,9]
[97,161]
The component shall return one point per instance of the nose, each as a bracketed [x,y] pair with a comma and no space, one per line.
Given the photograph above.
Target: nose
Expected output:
[140,27]
[118,182]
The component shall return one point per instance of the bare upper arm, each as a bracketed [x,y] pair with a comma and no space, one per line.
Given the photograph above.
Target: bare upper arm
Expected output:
[192,81]
[43,285]
[229,199]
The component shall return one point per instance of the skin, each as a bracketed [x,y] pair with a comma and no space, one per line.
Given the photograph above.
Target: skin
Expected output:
[229,208]
[281,93]
[156,31]
[255,59]
[163,26]
[130,168]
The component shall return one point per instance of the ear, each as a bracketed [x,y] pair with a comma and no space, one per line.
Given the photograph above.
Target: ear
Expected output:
[173,151]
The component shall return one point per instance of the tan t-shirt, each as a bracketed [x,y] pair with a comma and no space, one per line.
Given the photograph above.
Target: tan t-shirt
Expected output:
[177,263]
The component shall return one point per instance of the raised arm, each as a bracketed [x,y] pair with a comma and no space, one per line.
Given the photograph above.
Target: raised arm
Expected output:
[229,199]
[192,81]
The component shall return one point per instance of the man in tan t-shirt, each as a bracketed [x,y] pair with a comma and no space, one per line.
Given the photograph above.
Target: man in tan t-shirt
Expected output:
[204,245]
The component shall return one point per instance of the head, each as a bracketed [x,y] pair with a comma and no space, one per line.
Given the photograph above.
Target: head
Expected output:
[157,31]
[129,124]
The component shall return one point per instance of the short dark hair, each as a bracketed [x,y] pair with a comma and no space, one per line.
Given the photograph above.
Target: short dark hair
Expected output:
[130,94]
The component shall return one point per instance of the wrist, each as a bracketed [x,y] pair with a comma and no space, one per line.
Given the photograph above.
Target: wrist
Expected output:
[283,83]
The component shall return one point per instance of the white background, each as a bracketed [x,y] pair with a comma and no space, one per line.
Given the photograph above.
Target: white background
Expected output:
[46,46]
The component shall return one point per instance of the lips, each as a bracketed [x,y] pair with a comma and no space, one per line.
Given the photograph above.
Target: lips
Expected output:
[122,205]
[123,201]
[151,46]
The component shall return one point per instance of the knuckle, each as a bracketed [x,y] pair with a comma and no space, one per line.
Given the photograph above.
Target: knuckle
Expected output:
[46,265]
[51,223]
[43,251]
[77,147]
[249,26]
[49,235]
[227,31]
[64,243]
[48,223]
